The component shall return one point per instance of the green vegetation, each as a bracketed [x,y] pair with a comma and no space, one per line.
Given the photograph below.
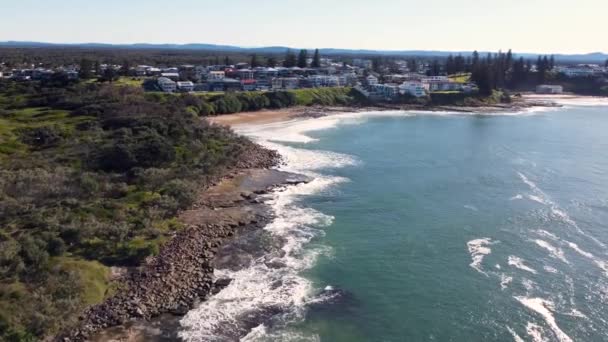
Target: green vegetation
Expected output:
[93,175]
[208,104]
[461,78]
[130,81]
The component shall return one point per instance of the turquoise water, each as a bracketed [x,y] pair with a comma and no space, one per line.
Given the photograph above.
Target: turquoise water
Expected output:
[425,227]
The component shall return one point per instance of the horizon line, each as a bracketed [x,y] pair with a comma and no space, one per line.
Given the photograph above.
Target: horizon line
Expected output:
[293,48]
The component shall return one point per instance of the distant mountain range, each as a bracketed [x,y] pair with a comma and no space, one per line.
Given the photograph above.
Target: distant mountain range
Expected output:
[595,57]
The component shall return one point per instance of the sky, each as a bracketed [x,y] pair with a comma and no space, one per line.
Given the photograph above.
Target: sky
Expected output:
[535,26]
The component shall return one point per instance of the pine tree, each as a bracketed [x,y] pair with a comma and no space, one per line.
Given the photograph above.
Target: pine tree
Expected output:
[290,59]
[86,67]
[606,64]
[475,60]
[271,62]
[435,69]
[316,60]
[227,61]
[551,62]
[412,65]
[302,59]
[125,68]
[449,65]
[254,61]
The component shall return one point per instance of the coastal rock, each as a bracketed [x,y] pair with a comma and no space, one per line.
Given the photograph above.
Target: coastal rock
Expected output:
[182,273]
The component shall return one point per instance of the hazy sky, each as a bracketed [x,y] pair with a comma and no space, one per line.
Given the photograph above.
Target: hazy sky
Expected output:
[569,26]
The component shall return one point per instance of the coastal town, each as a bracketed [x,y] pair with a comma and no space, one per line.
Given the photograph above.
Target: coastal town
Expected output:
[411,78]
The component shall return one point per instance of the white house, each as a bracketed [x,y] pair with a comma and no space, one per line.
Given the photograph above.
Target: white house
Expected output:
[216,75]
[416,89]
[185,86]
[285,83]
[549,89]
[170,75]
[371,80]
[579,71]
[167,85]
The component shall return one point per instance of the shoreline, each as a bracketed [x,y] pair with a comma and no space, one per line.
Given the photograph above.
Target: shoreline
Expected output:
[182,275]
[526,101]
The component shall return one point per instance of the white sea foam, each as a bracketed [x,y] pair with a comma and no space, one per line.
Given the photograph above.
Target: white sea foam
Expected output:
[545,309]
[550,269]
[517,197]
[478,249]
[547,234]
[264,290]
[541,197]
[262,334]
[518,262]
[471,207]
[572,101]
[516,337]
[554,252]
[600,263]
[528,284]
[535,332]
[505,281]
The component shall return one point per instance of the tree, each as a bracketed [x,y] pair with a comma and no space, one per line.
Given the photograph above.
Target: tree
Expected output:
[435,69]
[551,62]
[316,60]
[125,68]
[254,61]
[412,65]
[109,75]
[290,59]
[450,66]
[271,62]
[475,60]
[606,64]
[86,69]
[227,61]
[302,59]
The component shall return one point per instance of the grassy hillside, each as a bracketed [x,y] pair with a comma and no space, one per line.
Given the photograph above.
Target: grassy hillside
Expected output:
[92,176]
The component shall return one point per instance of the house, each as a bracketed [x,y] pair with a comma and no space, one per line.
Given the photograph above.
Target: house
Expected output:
[167,85]
[245,74]
[141,70]
[248,84]
[416,89]
[371,80]
[285,83]
[170,75]
[185,86]
[72,74]
[323,81]
[363,63]
[216,75]
[549,89]
[386,91]
[582,70]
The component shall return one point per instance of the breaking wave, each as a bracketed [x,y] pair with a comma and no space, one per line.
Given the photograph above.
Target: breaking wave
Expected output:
[478,249]
[264,297]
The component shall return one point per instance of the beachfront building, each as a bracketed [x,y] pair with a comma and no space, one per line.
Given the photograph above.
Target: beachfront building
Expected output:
[285,83]
[167,85]
[385,91]
[549,89]
[416,89]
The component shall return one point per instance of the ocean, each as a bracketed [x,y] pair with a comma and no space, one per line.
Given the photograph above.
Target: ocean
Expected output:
[422,226]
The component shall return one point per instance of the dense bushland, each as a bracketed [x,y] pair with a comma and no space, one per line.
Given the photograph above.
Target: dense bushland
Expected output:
[92,176]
